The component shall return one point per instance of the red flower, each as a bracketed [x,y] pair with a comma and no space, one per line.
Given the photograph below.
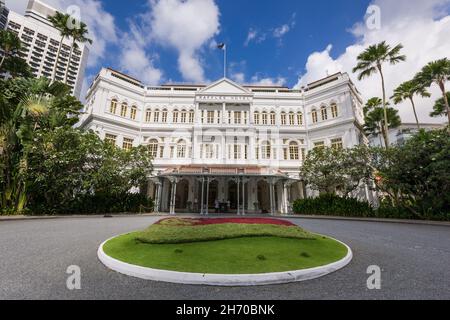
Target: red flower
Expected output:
[205,221]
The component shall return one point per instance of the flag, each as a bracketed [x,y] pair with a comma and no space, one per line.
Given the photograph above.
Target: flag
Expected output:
[221,46]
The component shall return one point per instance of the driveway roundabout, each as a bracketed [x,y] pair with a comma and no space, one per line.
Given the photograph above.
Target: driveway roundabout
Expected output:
[224,252]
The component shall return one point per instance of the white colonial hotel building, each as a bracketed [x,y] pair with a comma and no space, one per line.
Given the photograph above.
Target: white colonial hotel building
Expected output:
[234,143]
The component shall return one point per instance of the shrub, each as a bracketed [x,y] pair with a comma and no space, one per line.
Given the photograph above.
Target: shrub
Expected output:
[329,204]
[100,204]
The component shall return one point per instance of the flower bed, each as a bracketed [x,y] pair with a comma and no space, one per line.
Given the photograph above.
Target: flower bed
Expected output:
[184,230]
[205,221]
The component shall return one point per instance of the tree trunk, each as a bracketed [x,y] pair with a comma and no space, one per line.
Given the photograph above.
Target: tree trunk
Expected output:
[447,107]
[3,60]
[415,113]
[386,126]
[57,60]
[68,63]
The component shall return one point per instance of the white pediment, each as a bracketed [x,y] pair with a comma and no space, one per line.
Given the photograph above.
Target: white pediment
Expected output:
[225,86]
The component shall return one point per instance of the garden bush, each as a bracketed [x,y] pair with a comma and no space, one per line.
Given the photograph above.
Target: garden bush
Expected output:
[329,204]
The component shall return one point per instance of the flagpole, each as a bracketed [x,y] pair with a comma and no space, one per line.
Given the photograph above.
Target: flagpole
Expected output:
[225,61]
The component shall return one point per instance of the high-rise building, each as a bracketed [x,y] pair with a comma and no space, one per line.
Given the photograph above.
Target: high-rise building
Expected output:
[40,46]
[3,15]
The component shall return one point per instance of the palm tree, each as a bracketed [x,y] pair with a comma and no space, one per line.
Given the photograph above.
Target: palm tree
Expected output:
[9,44]
[407,90]
[60,22]
[374,118]
[78,35]
[437,72]
[371,61]
[439,107]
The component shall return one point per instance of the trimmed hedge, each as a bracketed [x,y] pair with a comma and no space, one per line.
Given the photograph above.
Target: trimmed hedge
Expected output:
[332,205]
[100,204]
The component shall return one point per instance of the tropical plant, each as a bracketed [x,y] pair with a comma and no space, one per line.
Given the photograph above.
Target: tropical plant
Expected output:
[437,72]
[27,106]
[439,109]
[78,35]
[406,91]
[330,170]
[10,44]
[374,116]
[60,21]
[371,61]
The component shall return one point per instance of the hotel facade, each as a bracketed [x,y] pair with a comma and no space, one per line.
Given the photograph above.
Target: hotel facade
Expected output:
[223,142]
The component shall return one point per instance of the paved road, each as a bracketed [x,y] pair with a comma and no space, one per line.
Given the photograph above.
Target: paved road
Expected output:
[34,256]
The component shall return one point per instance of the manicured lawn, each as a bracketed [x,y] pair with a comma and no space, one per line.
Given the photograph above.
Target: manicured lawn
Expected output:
[246,255]
[172,234]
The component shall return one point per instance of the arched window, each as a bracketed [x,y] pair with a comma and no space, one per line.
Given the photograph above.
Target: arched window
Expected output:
[293,151]
[181,149]
[315,119]
[153,148]
[156,116]
[133,113]
[266,150]
[164,116]
[324,113]
[175,116]
[334,110]
[273,117]
[291,119]
[191,116]
[113,106]
[264,118]
[183,116]
[256,117]
[148,115]
[124,110]
[300,118]
[283,119]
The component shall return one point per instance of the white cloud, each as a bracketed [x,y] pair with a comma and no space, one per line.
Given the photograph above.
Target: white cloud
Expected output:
[281,31]
[135,60]
[421,26]
[239,77]
[252,33]
[186,25]
[267,81]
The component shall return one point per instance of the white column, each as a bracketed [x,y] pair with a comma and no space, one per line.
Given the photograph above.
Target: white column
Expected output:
[243,196]
[203,197]
[207,196]
[271,196]
[158,192]
[238,211]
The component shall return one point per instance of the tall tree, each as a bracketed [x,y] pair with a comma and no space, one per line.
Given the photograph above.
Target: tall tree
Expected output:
[374,118]
[406,91]
[437,72]
[78,35]
[9,44]
[60,21]
[439,109]
[371,61]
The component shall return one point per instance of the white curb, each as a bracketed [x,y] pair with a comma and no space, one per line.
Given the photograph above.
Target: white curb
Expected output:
[228,280]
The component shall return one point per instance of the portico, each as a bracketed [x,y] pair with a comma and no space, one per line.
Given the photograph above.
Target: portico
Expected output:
[245,190]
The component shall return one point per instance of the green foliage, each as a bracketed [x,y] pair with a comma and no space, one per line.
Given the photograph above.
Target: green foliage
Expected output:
[417,175]
[332,205]
[439,109]
[166,234]
[374,117]
[47,166]
[330,170]
[71,170]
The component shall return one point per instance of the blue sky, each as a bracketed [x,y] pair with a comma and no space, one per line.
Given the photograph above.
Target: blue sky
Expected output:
[284,42]
[312,26]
